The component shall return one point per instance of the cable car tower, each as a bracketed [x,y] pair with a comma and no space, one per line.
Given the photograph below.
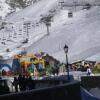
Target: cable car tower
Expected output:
[26,28]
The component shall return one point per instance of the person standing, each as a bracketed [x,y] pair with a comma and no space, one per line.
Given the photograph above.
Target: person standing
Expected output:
[20,82]
[88,71]
[35,71]
[31,84]
[15,84]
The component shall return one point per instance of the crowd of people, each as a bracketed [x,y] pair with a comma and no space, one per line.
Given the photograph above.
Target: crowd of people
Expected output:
[23,83]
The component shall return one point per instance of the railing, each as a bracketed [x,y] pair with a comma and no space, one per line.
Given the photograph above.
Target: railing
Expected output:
[85,95]
[90,81]
[68,91]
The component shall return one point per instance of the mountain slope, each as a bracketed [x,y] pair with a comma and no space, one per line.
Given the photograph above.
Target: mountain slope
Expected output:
[81,33]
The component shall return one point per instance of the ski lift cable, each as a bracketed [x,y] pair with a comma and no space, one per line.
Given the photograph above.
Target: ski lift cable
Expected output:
[76,3]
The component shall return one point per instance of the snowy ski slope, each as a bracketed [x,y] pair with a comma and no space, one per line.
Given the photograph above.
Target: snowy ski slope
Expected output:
[81,33]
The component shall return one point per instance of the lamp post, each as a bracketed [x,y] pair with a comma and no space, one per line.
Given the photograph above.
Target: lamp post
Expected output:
[66,52]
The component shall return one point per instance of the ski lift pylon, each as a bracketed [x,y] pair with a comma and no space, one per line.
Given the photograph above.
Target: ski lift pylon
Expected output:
[14,37]
[8,39]
[4,39]
[3,43]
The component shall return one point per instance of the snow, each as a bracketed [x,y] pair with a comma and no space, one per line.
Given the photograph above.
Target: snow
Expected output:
[81,33]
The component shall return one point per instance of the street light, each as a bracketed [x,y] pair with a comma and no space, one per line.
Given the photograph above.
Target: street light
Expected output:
[66,52]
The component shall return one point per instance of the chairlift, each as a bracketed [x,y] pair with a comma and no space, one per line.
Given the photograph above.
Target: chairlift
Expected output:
[24,26]
[87,6]
[25,41]
[20,30]
[70,14]
[24,31]
[33,25]
[10,35]
[52,11]
[4,39]
[1,27]
[19,34]
[14,36]
[37,24]
[3,43]
[8,39]
[29,27]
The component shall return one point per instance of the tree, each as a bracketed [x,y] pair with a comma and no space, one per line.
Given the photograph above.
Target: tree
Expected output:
[18,3]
